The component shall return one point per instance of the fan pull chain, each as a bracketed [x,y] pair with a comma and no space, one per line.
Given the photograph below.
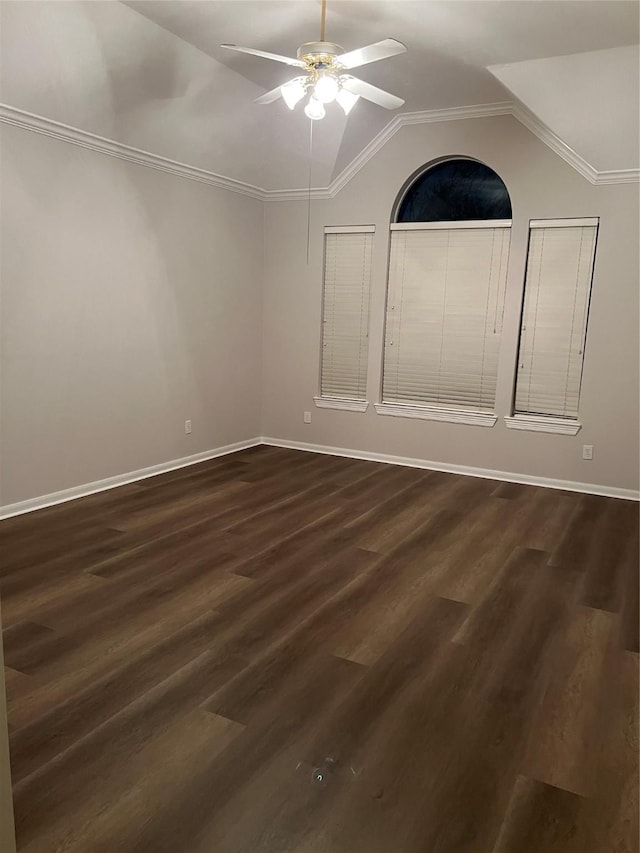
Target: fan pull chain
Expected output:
[309,189]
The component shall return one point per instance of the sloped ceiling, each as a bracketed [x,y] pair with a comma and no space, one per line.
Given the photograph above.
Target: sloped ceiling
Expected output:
[152,75]
[589,99]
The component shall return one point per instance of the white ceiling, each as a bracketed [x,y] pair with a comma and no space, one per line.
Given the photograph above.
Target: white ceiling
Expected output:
[589,99]
[151,74]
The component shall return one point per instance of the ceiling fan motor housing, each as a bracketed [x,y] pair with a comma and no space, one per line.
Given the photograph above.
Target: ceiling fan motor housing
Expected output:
[319,53]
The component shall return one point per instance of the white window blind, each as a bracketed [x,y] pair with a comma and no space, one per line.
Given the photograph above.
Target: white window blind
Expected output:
[345,312]
[554,319]
[444,314]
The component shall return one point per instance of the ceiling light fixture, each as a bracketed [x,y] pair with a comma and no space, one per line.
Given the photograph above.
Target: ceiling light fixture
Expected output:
[326,88]
[326,74]
[293,91]
[314,109]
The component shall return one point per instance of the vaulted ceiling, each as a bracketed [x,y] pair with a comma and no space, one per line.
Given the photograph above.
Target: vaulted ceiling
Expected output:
[151,74]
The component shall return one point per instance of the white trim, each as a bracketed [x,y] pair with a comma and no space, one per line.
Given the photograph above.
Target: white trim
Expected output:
[546,135]
[586,222]
[75,136]
[380,140]
[496,108]
[421,117]
[485,473]
[437,413]
[533,423]
[302,194]
[71,494]
[517,110]
[618,176]
[33,504]
[341,403]
[349,229]
[450,226]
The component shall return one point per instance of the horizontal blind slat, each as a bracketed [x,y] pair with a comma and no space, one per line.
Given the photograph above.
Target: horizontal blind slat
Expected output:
[552,336]
[444,315]
[345,312]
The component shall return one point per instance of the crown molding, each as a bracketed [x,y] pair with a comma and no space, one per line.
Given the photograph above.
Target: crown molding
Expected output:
[619,176]
[76,136]
[422,117]
[546,135]
[378,141]
[381,139]
[301,194]
[517,110]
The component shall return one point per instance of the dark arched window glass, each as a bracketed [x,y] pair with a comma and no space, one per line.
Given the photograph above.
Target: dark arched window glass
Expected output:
[455,190]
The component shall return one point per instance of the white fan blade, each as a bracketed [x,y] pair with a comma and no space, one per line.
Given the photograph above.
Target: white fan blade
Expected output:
[371,93]
[288,60]
[269,97]
[371,53]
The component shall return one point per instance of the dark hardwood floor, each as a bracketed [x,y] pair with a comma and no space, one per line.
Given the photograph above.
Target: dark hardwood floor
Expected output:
[283,651]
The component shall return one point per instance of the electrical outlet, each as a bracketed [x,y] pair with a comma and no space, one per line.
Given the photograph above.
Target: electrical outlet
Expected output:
[307,417]
[587,451]
[187,427]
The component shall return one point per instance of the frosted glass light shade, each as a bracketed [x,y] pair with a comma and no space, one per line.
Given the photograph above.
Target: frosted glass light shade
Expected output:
[314,109]
[326,89]
[292,92]
[347,100]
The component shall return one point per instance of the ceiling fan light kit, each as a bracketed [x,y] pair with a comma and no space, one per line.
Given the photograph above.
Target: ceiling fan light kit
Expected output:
[347,100]
[293,91]
[314,109]
[326,88]
[323,82]
[324,79]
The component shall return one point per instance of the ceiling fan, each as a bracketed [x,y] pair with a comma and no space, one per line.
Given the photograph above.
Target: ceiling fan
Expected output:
[325,76]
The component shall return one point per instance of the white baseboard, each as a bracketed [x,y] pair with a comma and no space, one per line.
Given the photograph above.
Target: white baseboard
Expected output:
[33,504]
[43,501]
[487,473]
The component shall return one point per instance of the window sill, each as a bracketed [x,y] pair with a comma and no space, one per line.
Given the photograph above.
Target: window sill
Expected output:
[341,403]
[531,423]
[433,413]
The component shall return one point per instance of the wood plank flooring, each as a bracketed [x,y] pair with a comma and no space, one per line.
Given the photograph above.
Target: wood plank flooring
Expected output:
[280,651]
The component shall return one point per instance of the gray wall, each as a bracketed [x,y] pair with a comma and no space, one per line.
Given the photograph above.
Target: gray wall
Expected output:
[541,186]
[134,299]
[131,301]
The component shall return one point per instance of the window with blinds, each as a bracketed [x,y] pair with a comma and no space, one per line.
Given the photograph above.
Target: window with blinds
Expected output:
[445,306]
[554,318]
[345,312]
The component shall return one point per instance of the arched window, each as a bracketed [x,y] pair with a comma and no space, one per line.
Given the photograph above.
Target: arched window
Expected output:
[446,288]
[454,190]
